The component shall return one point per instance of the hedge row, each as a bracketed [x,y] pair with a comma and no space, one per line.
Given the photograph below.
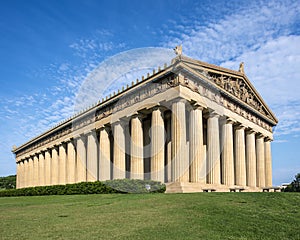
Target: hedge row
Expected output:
[111,186]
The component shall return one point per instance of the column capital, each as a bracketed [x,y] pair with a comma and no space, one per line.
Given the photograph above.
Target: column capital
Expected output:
[228,120]
[88,132]
[260,135]
[43,150]
[211,114]
[158,107]
[178,99]
[138,115]
[240,126]
[268,139]
[119,122]
[55,147]
[67,140]
[196,105]
[250,131]
[105,127]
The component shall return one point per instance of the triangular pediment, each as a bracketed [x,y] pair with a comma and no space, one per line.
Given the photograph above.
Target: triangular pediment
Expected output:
[233,83]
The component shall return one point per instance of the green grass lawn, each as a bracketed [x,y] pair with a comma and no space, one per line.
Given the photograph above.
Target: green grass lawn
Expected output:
[152,216]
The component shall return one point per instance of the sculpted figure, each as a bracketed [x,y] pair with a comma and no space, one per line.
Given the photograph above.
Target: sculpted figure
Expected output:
[178,50]
[241,68]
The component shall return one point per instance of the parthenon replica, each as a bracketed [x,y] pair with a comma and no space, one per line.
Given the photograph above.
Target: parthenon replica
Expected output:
[191,125]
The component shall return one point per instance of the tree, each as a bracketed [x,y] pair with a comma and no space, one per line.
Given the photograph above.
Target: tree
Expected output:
[8,182]
[295,185]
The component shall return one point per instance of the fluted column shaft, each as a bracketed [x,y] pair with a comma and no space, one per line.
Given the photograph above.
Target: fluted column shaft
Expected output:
[35,171]
[260,161]
[157,145]
[18,175]
[92,157]
[268,163]
[48,167]
[42,169]
[240,156]
[179,153]
[227,153]
[119,170]
[81,159]
[25,173]
[197,161]
[62,163]
[71,162]
[30,175]
[22,175]
[250,159]
[170,163]
[136,156]
[104,155]
[54,166]
[213,153]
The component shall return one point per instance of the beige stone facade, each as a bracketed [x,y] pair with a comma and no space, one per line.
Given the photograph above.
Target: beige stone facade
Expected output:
[192,125]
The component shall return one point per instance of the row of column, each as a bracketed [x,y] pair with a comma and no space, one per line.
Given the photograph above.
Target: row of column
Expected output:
[246,155]
[70,162]
[239,156]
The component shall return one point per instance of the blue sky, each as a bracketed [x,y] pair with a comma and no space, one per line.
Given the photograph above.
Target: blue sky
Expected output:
[48,48]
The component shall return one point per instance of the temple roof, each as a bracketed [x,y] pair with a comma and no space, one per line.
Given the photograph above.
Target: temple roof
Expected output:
[233,84]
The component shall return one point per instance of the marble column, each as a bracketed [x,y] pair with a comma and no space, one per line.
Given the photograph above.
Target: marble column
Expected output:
[30,174]
[168,148]
[250,158]
[71,162]
[240,156]
[23,172]
[18,175]
[41,169]
[213,150]
[92,156]
[81,158]
[137,148]
[179,153]
[54,166]
[36,174]
[104,155]
[197,161]
[119,171]
[268,163]
[62,163]
[260,161]
[25,184]
[157,145]
[48,164]
[227,153]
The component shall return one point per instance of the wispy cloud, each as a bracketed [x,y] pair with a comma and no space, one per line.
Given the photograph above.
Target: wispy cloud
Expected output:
[262,37]
[235,33]
[274,70]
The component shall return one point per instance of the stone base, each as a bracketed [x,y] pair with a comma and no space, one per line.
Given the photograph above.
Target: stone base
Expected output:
[188,187]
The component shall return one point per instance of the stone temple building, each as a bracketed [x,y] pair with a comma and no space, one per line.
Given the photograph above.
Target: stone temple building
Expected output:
[192,125]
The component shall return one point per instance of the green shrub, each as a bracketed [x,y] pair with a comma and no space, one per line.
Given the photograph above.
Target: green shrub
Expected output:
[111,186]
[136,186]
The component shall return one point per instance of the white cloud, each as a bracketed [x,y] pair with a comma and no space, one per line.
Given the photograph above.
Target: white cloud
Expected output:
[274,71]
[118,71]
[235,33]
[262,37]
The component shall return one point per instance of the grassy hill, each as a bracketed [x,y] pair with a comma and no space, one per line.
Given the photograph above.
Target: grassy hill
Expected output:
[152,216]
